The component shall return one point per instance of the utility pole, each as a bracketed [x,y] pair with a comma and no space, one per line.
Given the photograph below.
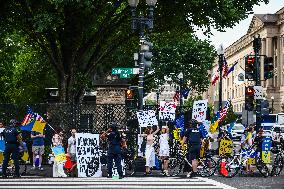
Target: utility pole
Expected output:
[257,47]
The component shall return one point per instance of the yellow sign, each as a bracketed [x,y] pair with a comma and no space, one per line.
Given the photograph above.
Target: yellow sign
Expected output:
[60,157]
[1,157]
[251,161]
[265,156]
[177,134]
[225,146]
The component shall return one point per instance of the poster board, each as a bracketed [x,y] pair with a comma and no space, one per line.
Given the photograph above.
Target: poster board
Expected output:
[199,110]
[167,111]
[88,155]
[266,146]
[147,118]
[226,146]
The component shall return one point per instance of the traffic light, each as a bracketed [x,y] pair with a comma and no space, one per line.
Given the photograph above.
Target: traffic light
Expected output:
[147,54]
[250,68]
[264,107]
[268,68]
[130,101]
[249,98]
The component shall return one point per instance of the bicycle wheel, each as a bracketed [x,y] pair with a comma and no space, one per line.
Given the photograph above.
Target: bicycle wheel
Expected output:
[262,167]
[175,166]
[206,167]
[277,166]
[228,166]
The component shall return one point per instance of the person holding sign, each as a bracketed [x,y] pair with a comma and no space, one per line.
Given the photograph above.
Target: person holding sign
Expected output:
[193,136]
[114,150]
[59,154]
[164,149]
[150,151]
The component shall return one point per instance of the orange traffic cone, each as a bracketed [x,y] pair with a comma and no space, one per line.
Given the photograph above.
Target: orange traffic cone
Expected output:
[223,170]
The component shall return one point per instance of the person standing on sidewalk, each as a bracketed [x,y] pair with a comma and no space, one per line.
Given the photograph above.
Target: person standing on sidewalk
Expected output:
[58,170]
[12,141]
[71,151]
[164,152]
[37,148]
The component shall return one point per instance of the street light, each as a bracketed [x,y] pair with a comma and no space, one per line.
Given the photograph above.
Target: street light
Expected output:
[220,52]
[180,76]
[272,102]
[141,23]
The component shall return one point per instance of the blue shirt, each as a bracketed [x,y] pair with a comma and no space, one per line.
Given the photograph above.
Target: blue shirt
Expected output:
[114,142]
[193,136]
[38,141]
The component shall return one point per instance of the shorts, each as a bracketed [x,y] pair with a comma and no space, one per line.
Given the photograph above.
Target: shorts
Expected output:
[194,152]
[38,150]
[73,157]
[164,152]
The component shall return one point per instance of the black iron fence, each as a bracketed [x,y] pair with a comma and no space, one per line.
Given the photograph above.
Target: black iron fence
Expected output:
[87,117]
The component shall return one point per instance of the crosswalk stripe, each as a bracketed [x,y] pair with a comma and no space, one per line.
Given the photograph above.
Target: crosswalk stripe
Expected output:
[127,183]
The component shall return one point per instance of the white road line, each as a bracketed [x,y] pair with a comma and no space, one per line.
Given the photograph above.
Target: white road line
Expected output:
[216,183]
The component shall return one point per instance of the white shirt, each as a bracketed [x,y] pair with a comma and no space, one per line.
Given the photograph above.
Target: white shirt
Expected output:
[164,140]
[72,143]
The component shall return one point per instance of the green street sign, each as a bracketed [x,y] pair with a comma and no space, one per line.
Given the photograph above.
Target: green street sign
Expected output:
[124,75]
[122,71]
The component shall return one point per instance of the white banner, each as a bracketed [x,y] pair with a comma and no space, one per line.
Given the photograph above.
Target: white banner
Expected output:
[147,118]
[88,155]
[167,111]
[199,110]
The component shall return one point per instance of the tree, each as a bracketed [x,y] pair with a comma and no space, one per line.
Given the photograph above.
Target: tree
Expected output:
[80,37]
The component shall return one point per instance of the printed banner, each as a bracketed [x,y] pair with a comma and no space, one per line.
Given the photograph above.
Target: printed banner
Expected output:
[147,118]
[199,110]
[167,111]
[266,145]
[88,155]
[226,147]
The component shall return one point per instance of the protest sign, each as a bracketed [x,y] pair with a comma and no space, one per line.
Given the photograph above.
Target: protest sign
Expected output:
[199,110]
[266,146]
[147,118]
[88,155]
[226,147]
[167,111]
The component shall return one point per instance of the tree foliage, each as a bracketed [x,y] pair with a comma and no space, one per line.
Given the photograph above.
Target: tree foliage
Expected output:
[82,37]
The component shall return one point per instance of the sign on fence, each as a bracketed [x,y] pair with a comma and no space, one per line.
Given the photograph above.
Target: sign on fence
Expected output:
[88,155]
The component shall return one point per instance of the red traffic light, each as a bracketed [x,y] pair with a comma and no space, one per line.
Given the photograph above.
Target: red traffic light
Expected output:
[249,91]
[250,60]
[129,94]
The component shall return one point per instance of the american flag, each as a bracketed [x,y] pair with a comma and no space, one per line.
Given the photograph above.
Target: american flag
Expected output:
[215,79]
[39,118]
[29,117]
[224,110]
[176,96]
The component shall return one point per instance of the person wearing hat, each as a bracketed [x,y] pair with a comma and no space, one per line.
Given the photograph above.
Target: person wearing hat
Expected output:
[114,150]
[193,136]
[12,141]
[164,151]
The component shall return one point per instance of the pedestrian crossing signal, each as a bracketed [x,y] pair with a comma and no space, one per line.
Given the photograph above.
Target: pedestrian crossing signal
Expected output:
[250,68]
[249,98]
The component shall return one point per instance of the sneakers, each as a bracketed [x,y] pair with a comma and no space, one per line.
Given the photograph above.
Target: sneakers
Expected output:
[33,168]
[40,168]
[109,176]
[188,175]
[193,174]
[120,177]
[166,173]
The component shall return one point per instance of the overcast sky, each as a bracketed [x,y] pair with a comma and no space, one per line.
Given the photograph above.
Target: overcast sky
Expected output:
[232,35]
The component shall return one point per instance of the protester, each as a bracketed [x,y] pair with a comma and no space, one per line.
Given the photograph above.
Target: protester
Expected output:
[164,149]
[114,150]
[149,151]
[58,170]
[37,148]
[193,137]
[246,143]
[12,141]
[71,151]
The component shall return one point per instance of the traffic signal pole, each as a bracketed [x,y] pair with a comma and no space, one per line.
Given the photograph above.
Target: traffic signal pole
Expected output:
[257,47]
[141,75]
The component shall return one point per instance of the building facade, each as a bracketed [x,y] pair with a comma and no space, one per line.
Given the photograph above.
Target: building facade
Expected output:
[270,27]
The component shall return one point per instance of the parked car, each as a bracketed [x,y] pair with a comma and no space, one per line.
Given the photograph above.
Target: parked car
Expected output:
[237,131]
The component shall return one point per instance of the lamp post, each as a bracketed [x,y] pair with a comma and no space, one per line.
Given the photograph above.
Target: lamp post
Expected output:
[180,76]
[141,24]
[272,102]
[220,52]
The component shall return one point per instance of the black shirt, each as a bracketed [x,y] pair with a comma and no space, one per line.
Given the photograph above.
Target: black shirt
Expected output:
[193,136]
[10,135]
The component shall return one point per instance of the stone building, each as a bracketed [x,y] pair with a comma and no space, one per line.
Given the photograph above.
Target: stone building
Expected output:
[270,27]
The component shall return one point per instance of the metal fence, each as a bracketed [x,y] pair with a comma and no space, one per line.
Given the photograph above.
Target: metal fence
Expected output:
[87,117]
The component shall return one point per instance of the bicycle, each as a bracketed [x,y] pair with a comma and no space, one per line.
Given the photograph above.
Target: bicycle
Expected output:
[235,163]
[278,148]
[206,166]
